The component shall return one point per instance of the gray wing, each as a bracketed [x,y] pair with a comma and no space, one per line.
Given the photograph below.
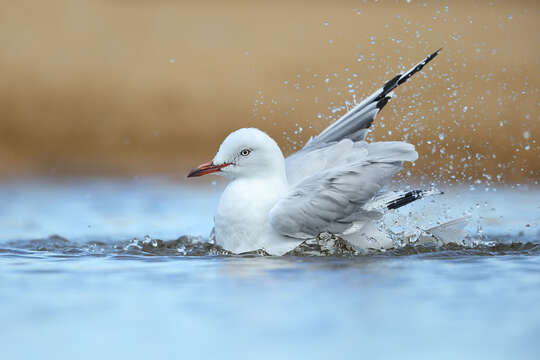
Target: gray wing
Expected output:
[307,163]
[329,146]
[333,200]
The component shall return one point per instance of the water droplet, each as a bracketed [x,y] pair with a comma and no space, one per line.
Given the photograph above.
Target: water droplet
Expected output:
[360,57]
[526,134]
[171,60]
[465,108]
[325,23]
[441,136]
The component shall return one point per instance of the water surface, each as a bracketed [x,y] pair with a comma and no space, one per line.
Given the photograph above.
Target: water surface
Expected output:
[92,294]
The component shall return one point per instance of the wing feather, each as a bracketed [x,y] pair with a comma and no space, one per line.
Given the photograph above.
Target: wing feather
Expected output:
[331,201]
[337,173]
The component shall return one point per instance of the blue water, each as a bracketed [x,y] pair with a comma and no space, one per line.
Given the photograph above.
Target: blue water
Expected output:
[87,298]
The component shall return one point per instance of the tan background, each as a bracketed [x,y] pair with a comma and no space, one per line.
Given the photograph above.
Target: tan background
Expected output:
[152,87]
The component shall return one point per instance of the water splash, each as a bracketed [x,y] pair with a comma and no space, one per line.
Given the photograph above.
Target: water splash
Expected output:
[325,245]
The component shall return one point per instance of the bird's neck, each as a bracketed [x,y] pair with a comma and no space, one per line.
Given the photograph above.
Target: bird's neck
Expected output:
[275,173]
[270,180]
[267,172]
[277,178]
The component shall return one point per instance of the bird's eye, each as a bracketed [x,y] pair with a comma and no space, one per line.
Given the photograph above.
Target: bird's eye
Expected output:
[245,152]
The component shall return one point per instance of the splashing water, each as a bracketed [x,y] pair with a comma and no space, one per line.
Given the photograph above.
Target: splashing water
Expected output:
[323,245]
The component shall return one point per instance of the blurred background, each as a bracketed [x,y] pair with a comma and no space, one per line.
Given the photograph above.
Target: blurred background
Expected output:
[150,88]
[105,105]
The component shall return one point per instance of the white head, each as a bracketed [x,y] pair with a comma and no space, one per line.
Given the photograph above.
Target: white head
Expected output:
[245,153]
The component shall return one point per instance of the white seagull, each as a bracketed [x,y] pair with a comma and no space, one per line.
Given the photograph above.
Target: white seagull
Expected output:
[332,185]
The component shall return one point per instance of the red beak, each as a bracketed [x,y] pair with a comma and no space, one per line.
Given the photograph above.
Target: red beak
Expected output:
[206,168]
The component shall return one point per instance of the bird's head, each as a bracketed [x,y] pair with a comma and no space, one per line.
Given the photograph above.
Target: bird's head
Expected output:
[245,153]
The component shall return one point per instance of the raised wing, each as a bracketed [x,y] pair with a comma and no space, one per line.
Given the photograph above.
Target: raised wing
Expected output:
[328,147]
[355,123]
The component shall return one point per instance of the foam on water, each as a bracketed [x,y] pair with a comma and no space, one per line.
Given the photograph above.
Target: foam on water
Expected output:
[324,245]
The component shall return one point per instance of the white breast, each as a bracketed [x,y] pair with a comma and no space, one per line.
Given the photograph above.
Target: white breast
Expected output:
[241,221]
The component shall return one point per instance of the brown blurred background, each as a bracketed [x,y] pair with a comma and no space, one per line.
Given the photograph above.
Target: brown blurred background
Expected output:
[127,87]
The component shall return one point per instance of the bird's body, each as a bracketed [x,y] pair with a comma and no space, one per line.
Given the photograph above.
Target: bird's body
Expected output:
[333,185]
[241,224]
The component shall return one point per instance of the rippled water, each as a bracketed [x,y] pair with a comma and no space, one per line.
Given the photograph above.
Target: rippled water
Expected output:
[94,291]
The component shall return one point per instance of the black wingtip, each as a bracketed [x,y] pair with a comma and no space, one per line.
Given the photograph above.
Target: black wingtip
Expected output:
[383,101]
[407,198]
[431,56]
[417,68]
[391,84]
[401,78]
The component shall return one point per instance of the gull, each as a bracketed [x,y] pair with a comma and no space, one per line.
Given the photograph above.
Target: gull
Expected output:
[333,185]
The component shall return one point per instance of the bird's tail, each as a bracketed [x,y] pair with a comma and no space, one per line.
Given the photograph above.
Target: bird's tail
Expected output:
[355,123]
